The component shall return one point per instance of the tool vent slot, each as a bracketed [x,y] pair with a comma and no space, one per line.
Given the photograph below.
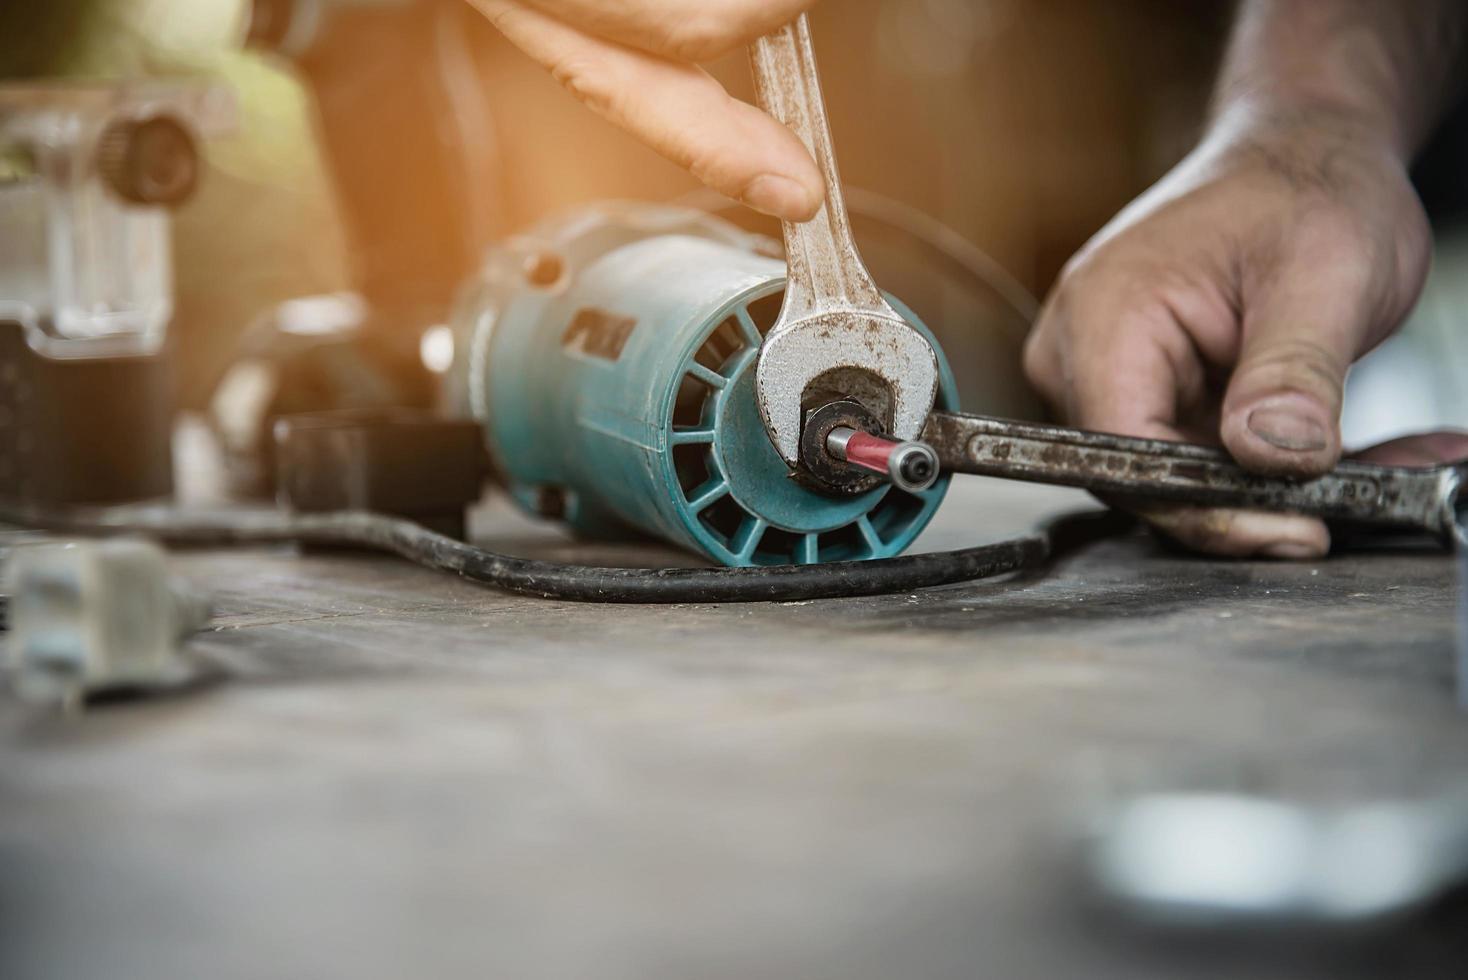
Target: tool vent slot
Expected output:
[843,544]
[765,311]
[598,333]
[691,404]
[723,518]
[778,547]
[722,345]
[896,511]
[691,463]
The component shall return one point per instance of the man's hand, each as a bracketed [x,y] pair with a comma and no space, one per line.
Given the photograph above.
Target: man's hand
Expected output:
[636,63]
[1227,303]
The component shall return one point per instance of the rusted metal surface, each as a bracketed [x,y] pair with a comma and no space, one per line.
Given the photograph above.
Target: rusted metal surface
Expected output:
[835,320]
[1421,498]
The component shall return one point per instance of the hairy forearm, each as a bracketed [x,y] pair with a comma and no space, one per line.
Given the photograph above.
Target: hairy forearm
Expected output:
[1390,65]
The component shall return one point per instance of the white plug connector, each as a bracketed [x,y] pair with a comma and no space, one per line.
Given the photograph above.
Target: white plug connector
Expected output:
[92,616]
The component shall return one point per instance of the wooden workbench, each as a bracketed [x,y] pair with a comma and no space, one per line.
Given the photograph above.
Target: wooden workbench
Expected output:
[404,775]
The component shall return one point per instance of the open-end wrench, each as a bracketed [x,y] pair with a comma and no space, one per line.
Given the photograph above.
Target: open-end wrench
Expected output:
[1416,498]
[835,330]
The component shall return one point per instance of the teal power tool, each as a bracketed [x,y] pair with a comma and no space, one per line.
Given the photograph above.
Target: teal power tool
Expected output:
[612,357]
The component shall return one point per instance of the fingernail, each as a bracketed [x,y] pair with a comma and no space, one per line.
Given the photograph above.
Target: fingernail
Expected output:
[1290,551]
[1288,429]
[776,195]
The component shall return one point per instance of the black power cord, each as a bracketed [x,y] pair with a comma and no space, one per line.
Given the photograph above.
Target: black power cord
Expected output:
[555,580]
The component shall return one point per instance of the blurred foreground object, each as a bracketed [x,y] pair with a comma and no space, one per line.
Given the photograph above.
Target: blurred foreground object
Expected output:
[90,175]
[97,616]
[1221,860]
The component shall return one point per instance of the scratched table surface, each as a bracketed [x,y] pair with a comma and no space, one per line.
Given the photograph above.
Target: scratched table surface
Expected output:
[400,774]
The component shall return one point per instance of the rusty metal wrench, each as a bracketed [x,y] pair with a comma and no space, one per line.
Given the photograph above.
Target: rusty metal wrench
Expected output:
[1429,499]
[835,329]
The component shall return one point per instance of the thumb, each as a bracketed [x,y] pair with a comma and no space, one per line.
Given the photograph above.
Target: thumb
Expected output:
[1281,412]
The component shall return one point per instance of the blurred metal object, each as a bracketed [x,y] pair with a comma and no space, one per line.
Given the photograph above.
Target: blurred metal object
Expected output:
[311,354]
[1416,498]
[86,262]
[152,161]
[835,328]
[86,282]
[404,463]
[88,617]
[1227,860]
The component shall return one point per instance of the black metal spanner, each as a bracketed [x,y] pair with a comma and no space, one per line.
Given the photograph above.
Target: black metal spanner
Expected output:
[1419,498]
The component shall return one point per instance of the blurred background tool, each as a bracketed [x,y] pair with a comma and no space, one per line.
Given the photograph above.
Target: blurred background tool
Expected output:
[401,463]
[86,282]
